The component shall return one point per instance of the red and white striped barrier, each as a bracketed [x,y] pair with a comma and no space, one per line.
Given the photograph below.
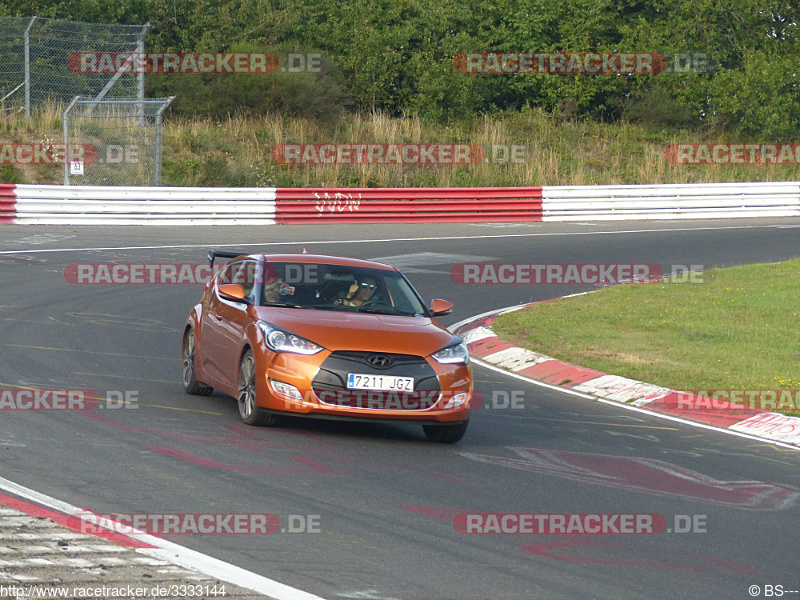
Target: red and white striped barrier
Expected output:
[116,205]
[485,345]
[8,203]
[92,205]
[408,205]
[671,201]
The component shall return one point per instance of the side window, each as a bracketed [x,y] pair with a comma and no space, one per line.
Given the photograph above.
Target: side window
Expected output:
[402,297]
[245,273]
[225,274]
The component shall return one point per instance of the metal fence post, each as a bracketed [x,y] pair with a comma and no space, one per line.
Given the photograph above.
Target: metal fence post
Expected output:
[28,69]
[140,75]
[51,60]
[157,179]
[65,128]
[117,149]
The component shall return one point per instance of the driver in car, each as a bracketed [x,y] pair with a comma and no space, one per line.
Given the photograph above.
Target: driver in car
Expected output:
[272,292]
[360,292]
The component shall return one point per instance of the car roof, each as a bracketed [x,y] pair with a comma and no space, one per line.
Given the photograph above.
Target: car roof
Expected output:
[326,260]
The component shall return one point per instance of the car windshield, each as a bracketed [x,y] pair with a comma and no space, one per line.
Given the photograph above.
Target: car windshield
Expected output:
[339,288]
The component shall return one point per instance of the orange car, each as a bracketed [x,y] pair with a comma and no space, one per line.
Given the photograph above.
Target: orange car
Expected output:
[326,337]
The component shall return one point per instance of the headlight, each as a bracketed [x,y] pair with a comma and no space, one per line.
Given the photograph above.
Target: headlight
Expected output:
[453,353]
[280,340]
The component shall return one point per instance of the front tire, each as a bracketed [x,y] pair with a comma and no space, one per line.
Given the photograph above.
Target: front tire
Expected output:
[445,434]
[249,411]
[190,383]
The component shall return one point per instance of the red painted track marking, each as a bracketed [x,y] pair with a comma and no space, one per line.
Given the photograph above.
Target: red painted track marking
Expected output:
[70,521]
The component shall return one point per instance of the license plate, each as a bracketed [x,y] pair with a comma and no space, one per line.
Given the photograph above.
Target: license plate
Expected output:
[361,381]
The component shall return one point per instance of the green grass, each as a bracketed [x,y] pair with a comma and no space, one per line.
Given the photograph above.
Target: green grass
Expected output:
[738,329]
[236,151]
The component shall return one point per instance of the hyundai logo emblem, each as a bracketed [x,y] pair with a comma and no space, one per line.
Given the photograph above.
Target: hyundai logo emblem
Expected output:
[380,361]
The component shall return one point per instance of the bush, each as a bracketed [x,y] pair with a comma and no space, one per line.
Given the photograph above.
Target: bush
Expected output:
[313,95]
[10,174]
[657,107]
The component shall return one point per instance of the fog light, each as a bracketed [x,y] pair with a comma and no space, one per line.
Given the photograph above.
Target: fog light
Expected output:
[457,400]
[285,390]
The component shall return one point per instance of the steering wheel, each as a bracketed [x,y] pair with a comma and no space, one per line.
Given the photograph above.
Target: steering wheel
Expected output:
[369,302]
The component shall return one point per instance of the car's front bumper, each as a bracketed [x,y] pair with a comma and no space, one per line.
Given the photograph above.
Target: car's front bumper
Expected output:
[319,388]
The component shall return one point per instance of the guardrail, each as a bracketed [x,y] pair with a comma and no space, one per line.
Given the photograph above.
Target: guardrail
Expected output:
[8,203]
[408,205]
[671,201]
[116,205]
[74,205]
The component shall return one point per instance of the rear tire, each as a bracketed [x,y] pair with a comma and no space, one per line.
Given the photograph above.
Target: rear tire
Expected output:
[445,434]
[190,383]
[249,411]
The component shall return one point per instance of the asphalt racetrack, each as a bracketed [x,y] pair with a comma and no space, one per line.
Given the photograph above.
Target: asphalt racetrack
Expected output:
[385,501]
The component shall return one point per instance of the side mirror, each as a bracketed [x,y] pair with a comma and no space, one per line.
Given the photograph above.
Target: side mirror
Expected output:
[231,291]
[441,307]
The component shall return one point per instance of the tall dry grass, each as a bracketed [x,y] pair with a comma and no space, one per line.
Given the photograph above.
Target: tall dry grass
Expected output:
[237,151]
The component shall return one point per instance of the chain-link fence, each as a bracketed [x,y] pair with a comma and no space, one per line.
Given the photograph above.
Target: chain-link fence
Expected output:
[40,61]
[113,142]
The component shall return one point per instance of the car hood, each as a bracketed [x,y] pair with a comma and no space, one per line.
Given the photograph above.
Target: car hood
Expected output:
[340,330]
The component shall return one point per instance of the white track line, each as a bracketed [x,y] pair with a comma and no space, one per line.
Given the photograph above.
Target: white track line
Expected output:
[384,240]
[176,554]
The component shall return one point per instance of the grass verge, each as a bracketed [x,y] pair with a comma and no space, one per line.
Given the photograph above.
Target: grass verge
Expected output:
[737,330]
[237,152]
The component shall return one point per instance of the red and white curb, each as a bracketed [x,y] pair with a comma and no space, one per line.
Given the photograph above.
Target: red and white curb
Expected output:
[35,518]
[486,346]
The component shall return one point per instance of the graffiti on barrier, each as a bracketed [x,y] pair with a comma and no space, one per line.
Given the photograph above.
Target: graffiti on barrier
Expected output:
[337,202]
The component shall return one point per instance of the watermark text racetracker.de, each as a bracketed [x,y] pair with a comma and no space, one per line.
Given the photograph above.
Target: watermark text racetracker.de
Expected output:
[138,273]
[579,63]
[571,273]
[57,154]
[378,154]
[387,399]
[728,399]
[403,154]
[26,399]
[185,273]
[195,523]
[37,153]
[577,523]
[732,154]
[193,63]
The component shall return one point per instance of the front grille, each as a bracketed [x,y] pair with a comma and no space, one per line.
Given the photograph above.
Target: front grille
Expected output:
[330,383]
[358,357]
